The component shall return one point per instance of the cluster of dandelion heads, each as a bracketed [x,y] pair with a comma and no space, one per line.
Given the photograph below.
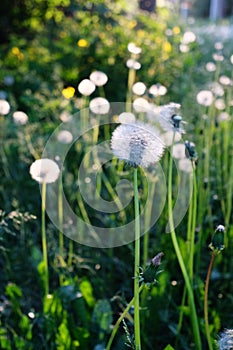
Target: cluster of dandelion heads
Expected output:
[225,341]
[170,120]
[44,170]
[137,143]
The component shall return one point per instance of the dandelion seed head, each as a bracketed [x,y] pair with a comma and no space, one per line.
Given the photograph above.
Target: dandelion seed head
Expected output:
[224,80]
[20,118]
[126,118]
[99,105]
[65,136]
[139,88]
[178,151]
[134,49]
[138,144]
[205,98]
[99,78]
[210,67]
[169,119]
[140,104]
[168,136]
[218,57]
[133,64]
[184,48]
[188,38]
[220,104]
[4,107]
[157,90]
[65,117]
[44,170]
[86,87]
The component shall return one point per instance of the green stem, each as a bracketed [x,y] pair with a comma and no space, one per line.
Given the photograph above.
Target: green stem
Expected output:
[44,243]
[136,264]
[115,329]
[60,220]
[194,319]
[207,328]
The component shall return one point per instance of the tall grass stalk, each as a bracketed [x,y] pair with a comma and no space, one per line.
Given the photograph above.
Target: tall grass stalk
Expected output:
[136,264]
[44,241]
[194,319]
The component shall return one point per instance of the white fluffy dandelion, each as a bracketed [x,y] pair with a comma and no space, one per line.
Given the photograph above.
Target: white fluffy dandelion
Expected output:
[134,49]
[4,107]
[99,105]
[170,120]
[44,170]
[139,88]
[65,136]
[225,341]
[205,98]
[86,87]
[138,144]
[20,118]
[99,78]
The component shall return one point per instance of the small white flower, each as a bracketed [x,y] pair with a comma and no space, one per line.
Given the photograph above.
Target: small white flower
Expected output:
[140,104]
[20,118]
[132,64]
[157,90]
[65,136]
[138,144]
[170,120]
[224,116]
[210,67]
[4,107]
[99,78]
[86,87]
[139,88]
[205,98]
[126,118]
[217,89]
[44,170]
[99,105]
[225,341]
[132,48]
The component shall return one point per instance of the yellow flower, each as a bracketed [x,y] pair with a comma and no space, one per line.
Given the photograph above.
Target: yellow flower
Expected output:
[15,51]
[167,47]
[68,92]
[82,43]
[132,24]
[176,30]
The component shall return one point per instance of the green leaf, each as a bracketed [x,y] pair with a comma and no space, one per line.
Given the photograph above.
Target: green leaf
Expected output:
[102,315]
[169,347]
[87,292]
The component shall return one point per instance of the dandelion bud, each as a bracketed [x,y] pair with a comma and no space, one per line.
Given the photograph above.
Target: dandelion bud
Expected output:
[190,151]
[217,243]
[149,275]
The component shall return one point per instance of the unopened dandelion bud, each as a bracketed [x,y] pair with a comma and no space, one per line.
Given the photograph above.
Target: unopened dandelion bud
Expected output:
[176,121]
[149,276]
[190,151]
[217,243]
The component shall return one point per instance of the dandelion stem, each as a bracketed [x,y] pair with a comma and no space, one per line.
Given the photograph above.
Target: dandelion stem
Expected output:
[207,328]
[194,319]
[136,264]
[44,243]
[60,219]
[117,324]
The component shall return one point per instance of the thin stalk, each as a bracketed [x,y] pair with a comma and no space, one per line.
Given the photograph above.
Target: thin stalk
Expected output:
[117,324]
[136,264]
[44,242]
[207,328]
[60,220]
[194,320]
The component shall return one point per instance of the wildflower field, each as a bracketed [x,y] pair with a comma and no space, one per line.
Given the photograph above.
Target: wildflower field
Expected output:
[116,167]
